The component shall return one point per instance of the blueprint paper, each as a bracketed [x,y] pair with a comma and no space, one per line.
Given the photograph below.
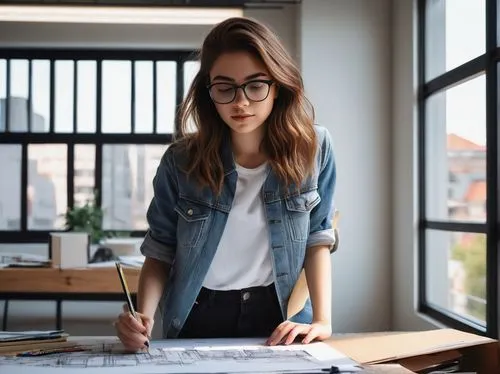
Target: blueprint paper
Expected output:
[182,356]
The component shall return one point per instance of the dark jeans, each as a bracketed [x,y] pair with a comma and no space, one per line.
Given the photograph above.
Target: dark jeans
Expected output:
[250,312]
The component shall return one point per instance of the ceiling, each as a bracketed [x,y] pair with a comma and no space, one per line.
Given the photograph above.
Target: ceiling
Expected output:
[196,3]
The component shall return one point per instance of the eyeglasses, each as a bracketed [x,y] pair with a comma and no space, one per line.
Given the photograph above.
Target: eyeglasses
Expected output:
[225,93]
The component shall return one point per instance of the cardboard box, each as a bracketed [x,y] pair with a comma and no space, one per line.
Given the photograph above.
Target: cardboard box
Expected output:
[424,350]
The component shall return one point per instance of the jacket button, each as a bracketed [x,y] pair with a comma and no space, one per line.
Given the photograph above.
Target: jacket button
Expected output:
[189,212]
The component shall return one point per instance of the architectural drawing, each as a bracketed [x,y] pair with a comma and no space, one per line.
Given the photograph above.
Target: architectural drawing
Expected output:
[110,356]
[213,356]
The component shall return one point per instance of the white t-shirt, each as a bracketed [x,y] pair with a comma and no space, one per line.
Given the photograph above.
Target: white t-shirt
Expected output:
[243,257]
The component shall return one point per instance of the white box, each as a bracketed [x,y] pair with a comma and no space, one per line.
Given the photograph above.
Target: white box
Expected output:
[69,249]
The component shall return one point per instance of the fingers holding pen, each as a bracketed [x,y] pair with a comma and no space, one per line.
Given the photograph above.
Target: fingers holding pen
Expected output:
[134,332]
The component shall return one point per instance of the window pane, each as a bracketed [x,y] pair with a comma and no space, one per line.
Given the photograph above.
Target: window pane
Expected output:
[47,186]
[10,187]
[84,181]
[127,174]
[116,96]
[3,93]
[87,97]
[456,273]
[40,95]
[166,87]
[19,87]
[456,33]
[456,153]
[64,97]
[144,97]
[190,70]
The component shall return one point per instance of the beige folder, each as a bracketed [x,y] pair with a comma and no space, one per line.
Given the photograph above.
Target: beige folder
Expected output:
[300,292]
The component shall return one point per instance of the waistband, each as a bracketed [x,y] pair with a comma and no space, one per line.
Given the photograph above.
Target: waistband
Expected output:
[244,293]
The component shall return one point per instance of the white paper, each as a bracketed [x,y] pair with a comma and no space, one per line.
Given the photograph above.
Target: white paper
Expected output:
[183,356]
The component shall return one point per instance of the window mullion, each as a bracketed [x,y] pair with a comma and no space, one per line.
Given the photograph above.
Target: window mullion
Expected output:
[492,173]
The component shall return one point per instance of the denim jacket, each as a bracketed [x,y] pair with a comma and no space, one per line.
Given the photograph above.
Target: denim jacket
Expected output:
[186,223]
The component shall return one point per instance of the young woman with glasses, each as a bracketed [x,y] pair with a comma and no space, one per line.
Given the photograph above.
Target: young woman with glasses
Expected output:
[241,205]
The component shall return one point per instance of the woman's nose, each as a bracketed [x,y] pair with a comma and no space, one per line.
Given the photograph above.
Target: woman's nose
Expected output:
[240,98]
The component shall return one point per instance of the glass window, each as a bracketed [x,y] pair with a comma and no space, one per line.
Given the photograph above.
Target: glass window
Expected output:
[456,273]
[144,97]
[87,103]
[456,33]
[40,95]
[10,187]
[127,190]
[64,96]
[456,153]
[84,174]
[18,99]
[116,97]
[86,99]
[191,68]
[166,88]
[47,186]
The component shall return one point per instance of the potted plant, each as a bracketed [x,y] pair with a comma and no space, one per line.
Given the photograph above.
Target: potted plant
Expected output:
[86,218]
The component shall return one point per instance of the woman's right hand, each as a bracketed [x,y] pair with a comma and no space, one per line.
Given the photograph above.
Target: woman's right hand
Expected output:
[133,333]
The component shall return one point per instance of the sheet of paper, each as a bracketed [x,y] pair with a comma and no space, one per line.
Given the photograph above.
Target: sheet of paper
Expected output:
[219,356]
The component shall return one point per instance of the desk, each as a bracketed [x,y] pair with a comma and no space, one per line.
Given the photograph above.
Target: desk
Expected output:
[88,284]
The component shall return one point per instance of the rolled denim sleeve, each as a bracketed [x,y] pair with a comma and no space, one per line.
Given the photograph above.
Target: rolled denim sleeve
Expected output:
[321,231]
[161,239]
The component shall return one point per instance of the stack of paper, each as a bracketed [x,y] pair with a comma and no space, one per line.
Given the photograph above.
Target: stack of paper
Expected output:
[20,341]
[23,260]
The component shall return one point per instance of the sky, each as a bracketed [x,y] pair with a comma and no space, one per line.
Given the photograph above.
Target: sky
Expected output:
[465,40]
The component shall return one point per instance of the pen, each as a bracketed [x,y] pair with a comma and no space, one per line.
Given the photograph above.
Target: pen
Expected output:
[127,293]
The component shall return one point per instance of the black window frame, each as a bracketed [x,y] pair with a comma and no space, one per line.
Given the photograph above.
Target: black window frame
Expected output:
[489,64]
[97,138]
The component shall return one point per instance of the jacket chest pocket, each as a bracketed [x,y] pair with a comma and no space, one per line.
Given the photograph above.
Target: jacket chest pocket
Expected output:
[193,219]
[298,210]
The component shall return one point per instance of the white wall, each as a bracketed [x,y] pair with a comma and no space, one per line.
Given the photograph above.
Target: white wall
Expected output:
[346,62]
[404,217]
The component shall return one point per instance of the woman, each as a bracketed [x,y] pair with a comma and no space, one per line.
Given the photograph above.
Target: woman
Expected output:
[241,205]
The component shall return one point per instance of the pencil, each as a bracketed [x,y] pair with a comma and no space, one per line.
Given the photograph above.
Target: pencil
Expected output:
[125,289]
[127,293]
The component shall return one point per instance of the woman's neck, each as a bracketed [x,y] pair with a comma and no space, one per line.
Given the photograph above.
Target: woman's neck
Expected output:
[246,149]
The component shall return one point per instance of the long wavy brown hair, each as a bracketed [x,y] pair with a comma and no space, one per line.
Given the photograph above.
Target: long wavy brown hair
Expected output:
[290,140]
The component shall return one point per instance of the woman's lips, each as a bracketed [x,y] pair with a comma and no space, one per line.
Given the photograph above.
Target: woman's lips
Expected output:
[241,117]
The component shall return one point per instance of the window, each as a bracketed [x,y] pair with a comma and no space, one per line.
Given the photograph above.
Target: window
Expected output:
[73,122]
[459,164]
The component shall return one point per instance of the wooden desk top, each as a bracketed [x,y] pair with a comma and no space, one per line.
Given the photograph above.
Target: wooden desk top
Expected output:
[54,280]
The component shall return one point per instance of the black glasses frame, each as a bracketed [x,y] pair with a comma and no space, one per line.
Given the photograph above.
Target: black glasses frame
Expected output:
[243,86]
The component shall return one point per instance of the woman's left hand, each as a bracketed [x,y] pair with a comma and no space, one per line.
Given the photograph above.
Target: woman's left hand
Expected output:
[287,332]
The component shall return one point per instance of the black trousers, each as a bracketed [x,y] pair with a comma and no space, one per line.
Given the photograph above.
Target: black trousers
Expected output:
[250,312]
